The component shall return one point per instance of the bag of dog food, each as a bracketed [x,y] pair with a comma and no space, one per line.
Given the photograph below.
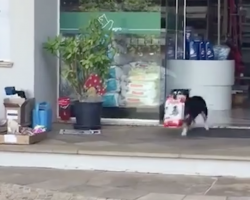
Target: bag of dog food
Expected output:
[110,100]
[141,93]
[115,72]
[113,85]
[142,85]
[141,101]
[174,112]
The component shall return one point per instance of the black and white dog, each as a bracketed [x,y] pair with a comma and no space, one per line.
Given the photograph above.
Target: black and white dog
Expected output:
[194,106]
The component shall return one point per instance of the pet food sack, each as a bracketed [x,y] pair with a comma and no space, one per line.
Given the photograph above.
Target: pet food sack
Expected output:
[141,85]
[110,100]
[192,50]
[209,51]
[141,101]
[115,72]
[221,52]
[189,33]
[113,85]
[141,93]
[144,77]
[202,51]
[174,112]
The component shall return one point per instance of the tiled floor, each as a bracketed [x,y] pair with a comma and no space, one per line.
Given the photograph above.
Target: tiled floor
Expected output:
[235,117]
[132,140]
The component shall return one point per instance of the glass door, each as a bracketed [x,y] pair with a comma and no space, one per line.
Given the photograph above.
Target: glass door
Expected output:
[181,28]
[133,89]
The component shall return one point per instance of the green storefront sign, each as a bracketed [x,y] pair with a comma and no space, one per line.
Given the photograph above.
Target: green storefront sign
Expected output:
[124,22]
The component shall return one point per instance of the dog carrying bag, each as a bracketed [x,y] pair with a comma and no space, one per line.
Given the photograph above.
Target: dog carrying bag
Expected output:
[174,109]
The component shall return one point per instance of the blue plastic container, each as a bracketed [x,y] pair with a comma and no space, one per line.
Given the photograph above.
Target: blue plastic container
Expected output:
[42,115]
[10,90]
[209,51]
[192,50]
[202,53]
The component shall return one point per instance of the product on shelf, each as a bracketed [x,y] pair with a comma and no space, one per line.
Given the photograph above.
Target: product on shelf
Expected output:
[221,52]
[110,99]
[209,51]
[142,88]
[141,101]
[115,72]
[113,85]
[192,50]
[195,47]
[202,50]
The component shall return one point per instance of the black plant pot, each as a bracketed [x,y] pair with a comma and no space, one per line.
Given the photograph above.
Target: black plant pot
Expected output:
[88,115]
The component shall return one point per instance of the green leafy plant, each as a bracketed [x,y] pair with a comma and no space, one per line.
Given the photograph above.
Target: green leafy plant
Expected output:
[118,5]
[98,5]
[83,56]
[144,44]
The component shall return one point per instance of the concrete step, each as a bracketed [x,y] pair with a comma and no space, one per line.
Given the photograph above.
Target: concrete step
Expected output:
[162,163]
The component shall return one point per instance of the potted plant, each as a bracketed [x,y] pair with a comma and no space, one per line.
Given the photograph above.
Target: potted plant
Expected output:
[87,58]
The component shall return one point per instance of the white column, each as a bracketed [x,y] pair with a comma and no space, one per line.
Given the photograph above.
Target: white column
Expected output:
[211,79]
[31,23]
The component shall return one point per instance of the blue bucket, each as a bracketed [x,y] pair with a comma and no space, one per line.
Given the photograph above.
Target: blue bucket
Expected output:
[42,116]
[10,90]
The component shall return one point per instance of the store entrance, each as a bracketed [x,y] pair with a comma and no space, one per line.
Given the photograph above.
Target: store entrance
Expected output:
[136,83]
[212,58]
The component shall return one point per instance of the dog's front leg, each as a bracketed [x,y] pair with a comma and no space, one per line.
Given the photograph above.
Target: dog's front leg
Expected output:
[184,130]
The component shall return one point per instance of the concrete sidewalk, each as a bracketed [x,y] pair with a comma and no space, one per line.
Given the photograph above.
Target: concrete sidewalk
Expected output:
[50,184]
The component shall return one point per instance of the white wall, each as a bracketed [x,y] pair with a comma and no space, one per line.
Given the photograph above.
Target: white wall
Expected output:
[31,22]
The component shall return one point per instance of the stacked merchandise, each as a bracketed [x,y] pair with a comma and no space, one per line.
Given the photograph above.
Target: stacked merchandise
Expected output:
[196,48]
[171,48]
[134,80]
[112,97]
[142,87]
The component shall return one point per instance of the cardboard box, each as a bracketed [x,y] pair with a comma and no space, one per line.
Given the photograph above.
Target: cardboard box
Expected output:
[19,109]
[239,99]
[22,139]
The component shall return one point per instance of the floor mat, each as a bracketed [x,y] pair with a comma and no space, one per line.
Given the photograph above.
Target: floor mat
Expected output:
[220,133]
[79,132]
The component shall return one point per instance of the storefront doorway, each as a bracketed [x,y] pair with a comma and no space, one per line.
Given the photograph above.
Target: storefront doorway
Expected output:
[222,79]
[138,90]
[151,34]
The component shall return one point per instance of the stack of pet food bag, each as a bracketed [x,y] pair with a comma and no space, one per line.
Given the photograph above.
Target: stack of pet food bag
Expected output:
[112,97]
[131,85]
[142,85]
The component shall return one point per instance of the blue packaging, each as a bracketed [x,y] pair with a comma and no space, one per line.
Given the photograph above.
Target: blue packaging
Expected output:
[202,51]
[110,100]
[188,33]
[10,90]
[192,50]
[42,116]
[209,51]
[112,85]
